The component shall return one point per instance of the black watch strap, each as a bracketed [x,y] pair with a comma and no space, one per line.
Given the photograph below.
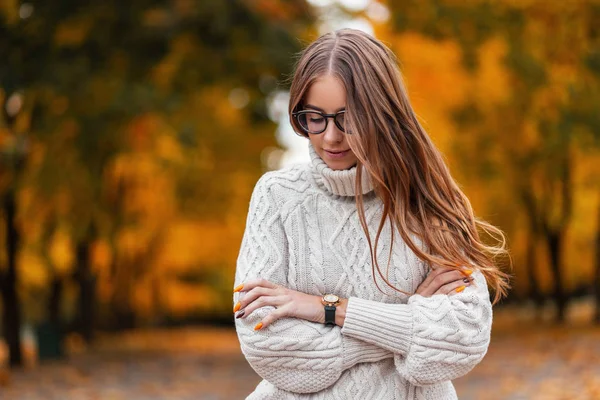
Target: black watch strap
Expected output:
[329,315]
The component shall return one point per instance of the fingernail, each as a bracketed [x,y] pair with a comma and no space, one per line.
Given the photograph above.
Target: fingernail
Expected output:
[460,289]
[466,280]
[238,288]
[467,272]
[237,307]
[240,314]
[258,326]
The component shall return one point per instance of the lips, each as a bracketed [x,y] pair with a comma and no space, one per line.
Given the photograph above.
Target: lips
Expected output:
[336,153]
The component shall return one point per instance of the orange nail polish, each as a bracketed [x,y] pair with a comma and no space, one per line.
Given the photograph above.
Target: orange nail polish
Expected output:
[258,326]
[460,289]
[467,272]
[238,288]
[237,307]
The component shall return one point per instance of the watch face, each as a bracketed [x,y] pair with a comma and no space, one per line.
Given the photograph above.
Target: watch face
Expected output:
[331,298]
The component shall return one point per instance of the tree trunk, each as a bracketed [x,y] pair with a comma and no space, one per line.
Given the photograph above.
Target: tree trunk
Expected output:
[554,242]
[158,313]
[121,299]
[54,301]
[87,291]
[597,278]
[534,287]
[11,320]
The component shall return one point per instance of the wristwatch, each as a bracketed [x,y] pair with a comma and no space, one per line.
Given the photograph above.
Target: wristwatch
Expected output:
[330,301]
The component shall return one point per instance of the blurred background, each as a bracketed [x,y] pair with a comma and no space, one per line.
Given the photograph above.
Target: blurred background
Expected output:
[133,132]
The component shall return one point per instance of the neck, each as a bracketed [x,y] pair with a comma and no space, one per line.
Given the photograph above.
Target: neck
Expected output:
[337,182]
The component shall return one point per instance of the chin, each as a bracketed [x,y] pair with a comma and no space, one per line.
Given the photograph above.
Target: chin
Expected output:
[340,165]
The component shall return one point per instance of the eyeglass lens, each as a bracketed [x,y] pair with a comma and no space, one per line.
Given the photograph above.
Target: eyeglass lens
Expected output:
[315,122]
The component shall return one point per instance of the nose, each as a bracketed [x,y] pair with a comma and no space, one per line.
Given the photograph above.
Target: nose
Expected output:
[332,134]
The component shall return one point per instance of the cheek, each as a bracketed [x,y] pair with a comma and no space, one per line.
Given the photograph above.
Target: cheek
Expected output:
[316,141]
[353,160]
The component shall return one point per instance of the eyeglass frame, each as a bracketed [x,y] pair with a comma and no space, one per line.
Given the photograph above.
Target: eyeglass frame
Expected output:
[296,114]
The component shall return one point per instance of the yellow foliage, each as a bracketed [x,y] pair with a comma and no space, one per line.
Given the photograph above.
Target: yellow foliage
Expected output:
[32,270]
[213,101]
[35,157]
[437,82]
[63,202]
[148,187]
[31,212]
[72,33]
[435,79]
[59,105]
[132,241]
[101,91]
[6,137]
[188,244]
[273,9]
[9,9]
[241,187]
[206,159]
[101,255]
[184,44]
[169,295]
[167,148]
[105,290]
[61,251]
[68,129]
[22,123]
[160,294]
[530,138]
[179,298]
[143,298]
[156,17]
[432,70]
[491,80]
[164,72]
[279,11]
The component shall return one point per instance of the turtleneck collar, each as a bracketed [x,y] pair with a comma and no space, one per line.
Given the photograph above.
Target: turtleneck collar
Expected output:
[336,182]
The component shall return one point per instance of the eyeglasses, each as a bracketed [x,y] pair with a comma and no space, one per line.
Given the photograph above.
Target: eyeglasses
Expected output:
[315,122]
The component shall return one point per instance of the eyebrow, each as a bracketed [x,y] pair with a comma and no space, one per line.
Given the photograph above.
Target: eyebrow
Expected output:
[320,109]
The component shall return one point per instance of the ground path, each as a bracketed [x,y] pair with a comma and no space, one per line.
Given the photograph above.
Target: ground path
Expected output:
[535,362]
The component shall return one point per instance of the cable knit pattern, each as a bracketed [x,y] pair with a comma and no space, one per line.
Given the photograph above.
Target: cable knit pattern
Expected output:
[303,232]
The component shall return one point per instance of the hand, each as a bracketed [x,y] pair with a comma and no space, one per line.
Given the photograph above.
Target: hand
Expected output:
[259,293]
[445,281]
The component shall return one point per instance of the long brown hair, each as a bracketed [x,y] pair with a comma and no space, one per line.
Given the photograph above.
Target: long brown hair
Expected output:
[420,197]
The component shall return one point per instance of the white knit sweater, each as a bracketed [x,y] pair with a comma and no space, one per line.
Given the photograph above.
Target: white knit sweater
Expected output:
[303,232]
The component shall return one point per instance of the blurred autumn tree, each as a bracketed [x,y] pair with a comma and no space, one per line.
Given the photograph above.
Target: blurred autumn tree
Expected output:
[144,123]
[524,108]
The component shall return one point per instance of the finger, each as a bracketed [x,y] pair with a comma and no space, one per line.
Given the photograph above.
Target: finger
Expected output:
[253,283]
[252,295]
[445,278]
[453,287]
[238,288]
[424,288]
[263,301]
[270,318]
[438,279]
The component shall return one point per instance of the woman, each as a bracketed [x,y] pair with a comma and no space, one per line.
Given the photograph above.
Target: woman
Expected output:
[362,274]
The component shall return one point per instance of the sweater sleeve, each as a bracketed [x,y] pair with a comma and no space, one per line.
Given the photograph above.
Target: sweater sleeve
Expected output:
[292,354]
[433,339]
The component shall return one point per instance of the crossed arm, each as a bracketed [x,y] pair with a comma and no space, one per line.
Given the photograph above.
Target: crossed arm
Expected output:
[260,292]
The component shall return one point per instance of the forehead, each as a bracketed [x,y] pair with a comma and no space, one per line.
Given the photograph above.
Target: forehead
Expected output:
[326,92]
